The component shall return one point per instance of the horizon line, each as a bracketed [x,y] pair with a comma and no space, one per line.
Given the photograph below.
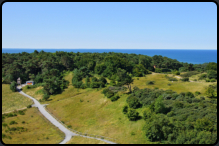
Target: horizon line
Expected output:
[110,48]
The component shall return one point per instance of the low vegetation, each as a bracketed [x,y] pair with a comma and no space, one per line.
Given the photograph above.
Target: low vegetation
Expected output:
[20,128]
[12,100]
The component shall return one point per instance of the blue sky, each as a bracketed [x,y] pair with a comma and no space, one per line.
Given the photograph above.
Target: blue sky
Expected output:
[112,25]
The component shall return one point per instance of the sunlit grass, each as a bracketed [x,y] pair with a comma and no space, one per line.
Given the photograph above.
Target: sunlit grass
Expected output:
[83,140]
[13,100]
[39,129]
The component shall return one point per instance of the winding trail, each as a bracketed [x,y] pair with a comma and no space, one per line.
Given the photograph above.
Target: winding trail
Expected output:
[68,133]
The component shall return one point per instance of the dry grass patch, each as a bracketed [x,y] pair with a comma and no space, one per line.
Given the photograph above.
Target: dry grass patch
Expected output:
[178,86]
[84,140]
[39,129]
[33,92]
[13,100]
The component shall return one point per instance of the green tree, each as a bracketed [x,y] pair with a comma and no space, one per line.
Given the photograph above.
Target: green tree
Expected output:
[133,102]
[159,105]
[210,92]
[212,74]
[124,78]
[132,114]
[125,109]
[13,86]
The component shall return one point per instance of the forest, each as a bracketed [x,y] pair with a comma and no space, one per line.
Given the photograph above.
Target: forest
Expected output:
[170,117]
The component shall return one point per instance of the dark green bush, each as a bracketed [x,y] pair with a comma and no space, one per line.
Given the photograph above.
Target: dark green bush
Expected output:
[133,102]
[203,76]
[109,94]
[189,94]
[125,109]
[150,82]
[46,97]
[212,80]
[207,80]
[172,79]
[158,70]
[83,86]
[189,74]
[197,93]
[185,79]
[12,122]
[4,124]
[105,91]
[132,114]
[29,106]
[114,98]
[13,86]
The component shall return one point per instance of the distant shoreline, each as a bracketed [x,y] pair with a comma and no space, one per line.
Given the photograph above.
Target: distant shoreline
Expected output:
[182,55]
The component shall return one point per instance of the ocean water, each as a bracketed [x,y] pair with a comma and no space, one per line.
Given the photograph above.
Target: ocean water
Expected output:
[189,56]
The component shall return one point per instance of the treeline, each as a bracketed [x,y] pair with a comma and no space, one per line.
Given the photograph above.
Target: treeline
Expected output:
[48,68]
[173,118]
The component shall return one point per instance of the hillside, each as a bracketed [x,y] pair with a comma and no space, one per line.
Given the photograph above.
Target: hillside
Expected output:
[89,111]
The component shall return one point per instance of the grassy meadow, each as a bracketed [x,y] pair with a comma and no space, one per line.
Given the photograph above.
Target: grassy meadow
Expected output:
[13,100]
[88,111]
[37,129]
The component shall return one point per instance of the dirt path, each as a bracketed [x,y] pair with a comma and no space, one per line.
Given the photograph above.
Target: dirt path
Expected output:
[68,133]
[15,110]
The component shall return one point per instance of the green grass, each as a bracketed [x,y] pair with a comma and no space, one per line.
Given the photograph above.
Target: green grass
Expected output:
[38,129]
[13,100]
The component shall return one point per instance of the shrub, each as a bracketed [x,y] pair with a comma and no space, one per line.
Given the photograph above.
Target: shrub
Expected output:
[46,97]
[125,109]
[83,86]
[103,80]
[207,80]
[172,79]
[202,98]
[23,122]
[150,82]
[13,86]
[203,76]
[29,106]
[21,112]
[114,98]
[189,94]
[4,124]
[132,114]
[147,113]
[195,80]
[94,79]
[105,91]
[133,102]
[212,80]
[12,122]
[197,93]
[189,74]
[212,74]
[158,70]
[185,79]
[178,104]
[69,126]
[177,73]
[195,100]
[109,94]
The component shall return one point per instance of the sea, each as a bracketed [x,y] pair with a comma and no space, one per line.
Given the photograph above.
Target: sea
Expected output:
[182,55]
